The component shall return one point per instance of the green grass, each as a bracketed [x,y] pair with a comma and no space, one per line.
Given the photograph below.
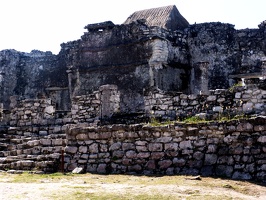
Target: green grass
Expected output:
[209,197]
[110,196]
[194,119]
[156,122]
[31,178]
[93,186]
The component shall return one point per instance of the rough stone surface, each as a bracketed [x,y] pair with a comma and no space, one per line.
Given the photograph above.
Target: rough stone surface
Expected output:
[206,153]
[72,105]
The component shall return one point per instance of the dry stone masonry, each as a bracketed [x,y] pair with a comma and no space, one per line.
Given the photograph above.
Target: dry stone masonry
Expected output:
[234,149]
[214,106]
[34,138]
[91,106]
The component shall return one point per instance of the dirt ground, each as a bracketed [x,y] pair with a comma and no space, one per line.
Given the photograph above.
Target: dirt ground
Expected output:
[88,186]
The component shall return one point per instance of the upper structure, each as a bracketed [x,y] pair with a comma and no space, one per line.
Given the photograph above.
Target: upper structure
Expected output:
[167,17]
[154,49]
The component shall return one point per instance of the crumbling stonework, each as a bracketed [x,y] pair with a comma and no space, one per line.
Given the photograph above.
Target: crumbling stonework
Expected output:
[34,138]
[228,51]
[82,100]
[161,50]
[214,106]
[234,149]
[29,75]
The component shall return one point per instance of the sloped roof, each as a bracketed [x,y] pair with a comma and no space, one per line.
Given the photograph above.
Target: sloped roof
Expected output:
[167,17]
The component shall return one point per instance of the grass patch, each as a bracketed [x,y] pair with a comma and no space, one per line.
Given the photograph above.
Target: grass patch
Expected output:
[194,119]
[112,196]
[209,197]
[92,186]
[157,122]
[34,178]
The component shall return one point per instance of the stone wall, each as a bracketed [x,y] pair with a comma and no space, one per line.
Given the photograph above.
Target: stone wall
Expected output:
[29,74]
[133,57]
[161,105]
[227,50]
[86,108]
[99,105]
[36,148]
[234,149]
[214,106]
[34,137]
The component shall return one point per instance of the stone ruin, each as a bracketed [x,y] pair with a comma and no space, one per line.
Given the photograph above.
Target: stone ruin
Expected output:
[89,105]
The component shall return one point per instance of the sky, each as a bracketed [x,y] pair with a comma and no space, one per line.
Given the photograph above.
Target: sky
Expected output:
[26,25]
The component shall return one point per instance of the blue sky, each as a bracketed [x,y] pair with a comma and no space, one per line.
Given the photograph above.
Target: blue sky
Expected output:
[45,24]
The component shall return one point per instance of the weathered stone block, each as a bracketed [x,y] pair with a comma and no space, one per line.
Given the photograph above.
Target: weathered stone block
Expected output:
[104,135]
[71,149]
[244,127]
[134,168]
[155,147]
[46,142]
[102,168]
[128,146]
[183,96]
[211,98]
[185,145]
[82,136]
[164,164]
[33,143]
[217,109]
[262,139]
[179,162]
[141,143]
[192,96]
[25,163]
[210,159]
[198,155]
[241,176]
[83,149]
[131,154]
[49,110]
[157,155]
[224,171]
[164,139]
[248,107]
[143,155]
[171,146]
[58,142]
[141,148]
[115,146]
[117,154]
[150,165]
[199,143]
[93,148]
[43,133]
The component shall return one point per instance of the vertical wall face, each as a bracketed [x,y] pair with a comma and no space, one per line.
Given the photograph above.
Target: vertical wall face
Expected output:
[110,100]
[227,50]
[200,78]
[234,149]
[134,57]
[29,74]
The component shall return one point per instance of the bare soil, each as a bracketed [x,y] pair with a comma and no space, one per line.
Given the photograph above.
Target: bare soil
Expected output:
[91,186]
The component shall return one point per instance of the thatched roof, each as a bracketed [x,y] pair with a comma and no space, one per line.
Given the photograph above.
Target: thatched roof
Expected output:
[167,17]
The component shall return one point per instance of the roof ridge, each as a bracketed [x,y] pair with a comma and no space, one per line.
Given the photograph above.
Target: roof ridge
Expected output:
[167,17]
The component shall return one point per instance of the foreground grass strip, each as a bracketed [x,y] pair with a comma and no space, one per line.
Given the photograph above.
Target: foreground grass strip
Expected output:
[92,186]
